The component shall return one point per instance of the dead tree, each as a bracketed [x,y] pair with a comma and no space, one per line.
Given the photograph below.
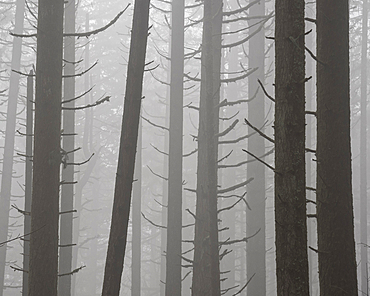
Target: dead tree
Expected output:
[290,183]
[127,151]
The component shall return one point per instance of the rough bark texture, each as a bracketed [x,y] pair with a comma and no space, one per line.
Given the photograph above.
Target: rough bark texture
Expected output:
[43,272]
[363,154]
[67,190]
[127,151]
[206,270]
[7,168]
[337,261]
[28,182]
[174,209]
[256,247]
[290,191]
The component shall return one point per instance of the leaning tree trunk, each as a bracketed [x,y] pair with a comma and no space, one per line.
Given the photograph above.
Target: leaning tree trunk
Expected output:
[206,269]
[7,170]
[127,151]
[174,208]
[290,183]
[43,273]
[66,224]
[256,246]
[363,154]
[336,246]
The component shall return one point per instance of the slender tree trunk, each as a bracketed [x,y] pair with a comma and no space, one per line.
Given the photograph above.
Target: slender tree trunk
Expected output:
[66,224]
[336,247]
[28,182]
[127,151]
[290,183]
[174,209]
[7,170]
[206,270]
[136,222]
[43,273]
[256,246]
[363,154]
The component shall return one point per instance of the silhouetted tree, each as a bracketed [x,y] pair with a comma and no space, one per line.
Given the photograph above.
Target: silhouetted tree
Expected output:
[127,151]
[290,183]
[336,247]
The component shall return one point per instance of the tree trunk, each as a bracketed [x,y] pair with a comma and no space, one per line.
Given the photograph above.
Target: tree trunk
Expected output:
[256,246]
[43,273]
[136,222]
[363,154]
[7,170]
[336,247]
[290,183]
[206,269]
[28,182]
[127,150]
[174,209]
[66,224]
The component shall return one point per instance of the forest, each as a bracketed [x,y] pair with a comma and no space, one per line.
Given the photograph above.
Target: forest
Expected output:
[184,147]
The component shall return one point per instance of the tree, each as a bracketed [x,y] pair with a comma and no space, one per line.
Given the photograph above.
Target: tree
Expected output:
[206,269]
[290,185]
[43,273]
[7,170]
[256,246]
[174,209]
[336,246]
[128,143]
[67,190]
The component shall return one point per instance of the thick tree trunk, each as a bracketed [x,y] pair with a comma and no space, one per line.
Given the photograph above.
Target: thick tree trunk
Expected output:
[206,269]
[128,142]
[43,273]
[174,209]
[28,182]
[256,246]
[336,247]
[363,154]
[66,224]
[290,183]
[7,170]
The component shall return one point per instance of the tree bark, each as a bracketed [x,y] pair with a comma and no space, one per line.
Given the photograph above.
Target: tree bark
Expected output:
[128,142]
[206,269]
[336,247]
[174,209]
[256,246]
[7,169]
[67,192]
[43,273]
[290,183]
[28,182]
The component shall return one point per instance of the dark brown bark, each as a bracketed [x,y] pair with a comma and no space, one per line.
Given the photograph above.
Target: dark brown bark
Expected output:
[127,151]
[290,188]
[206,269]
[7,166]
[43,273]
[337,261]
[67,190]
[174,209]
[256,247]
